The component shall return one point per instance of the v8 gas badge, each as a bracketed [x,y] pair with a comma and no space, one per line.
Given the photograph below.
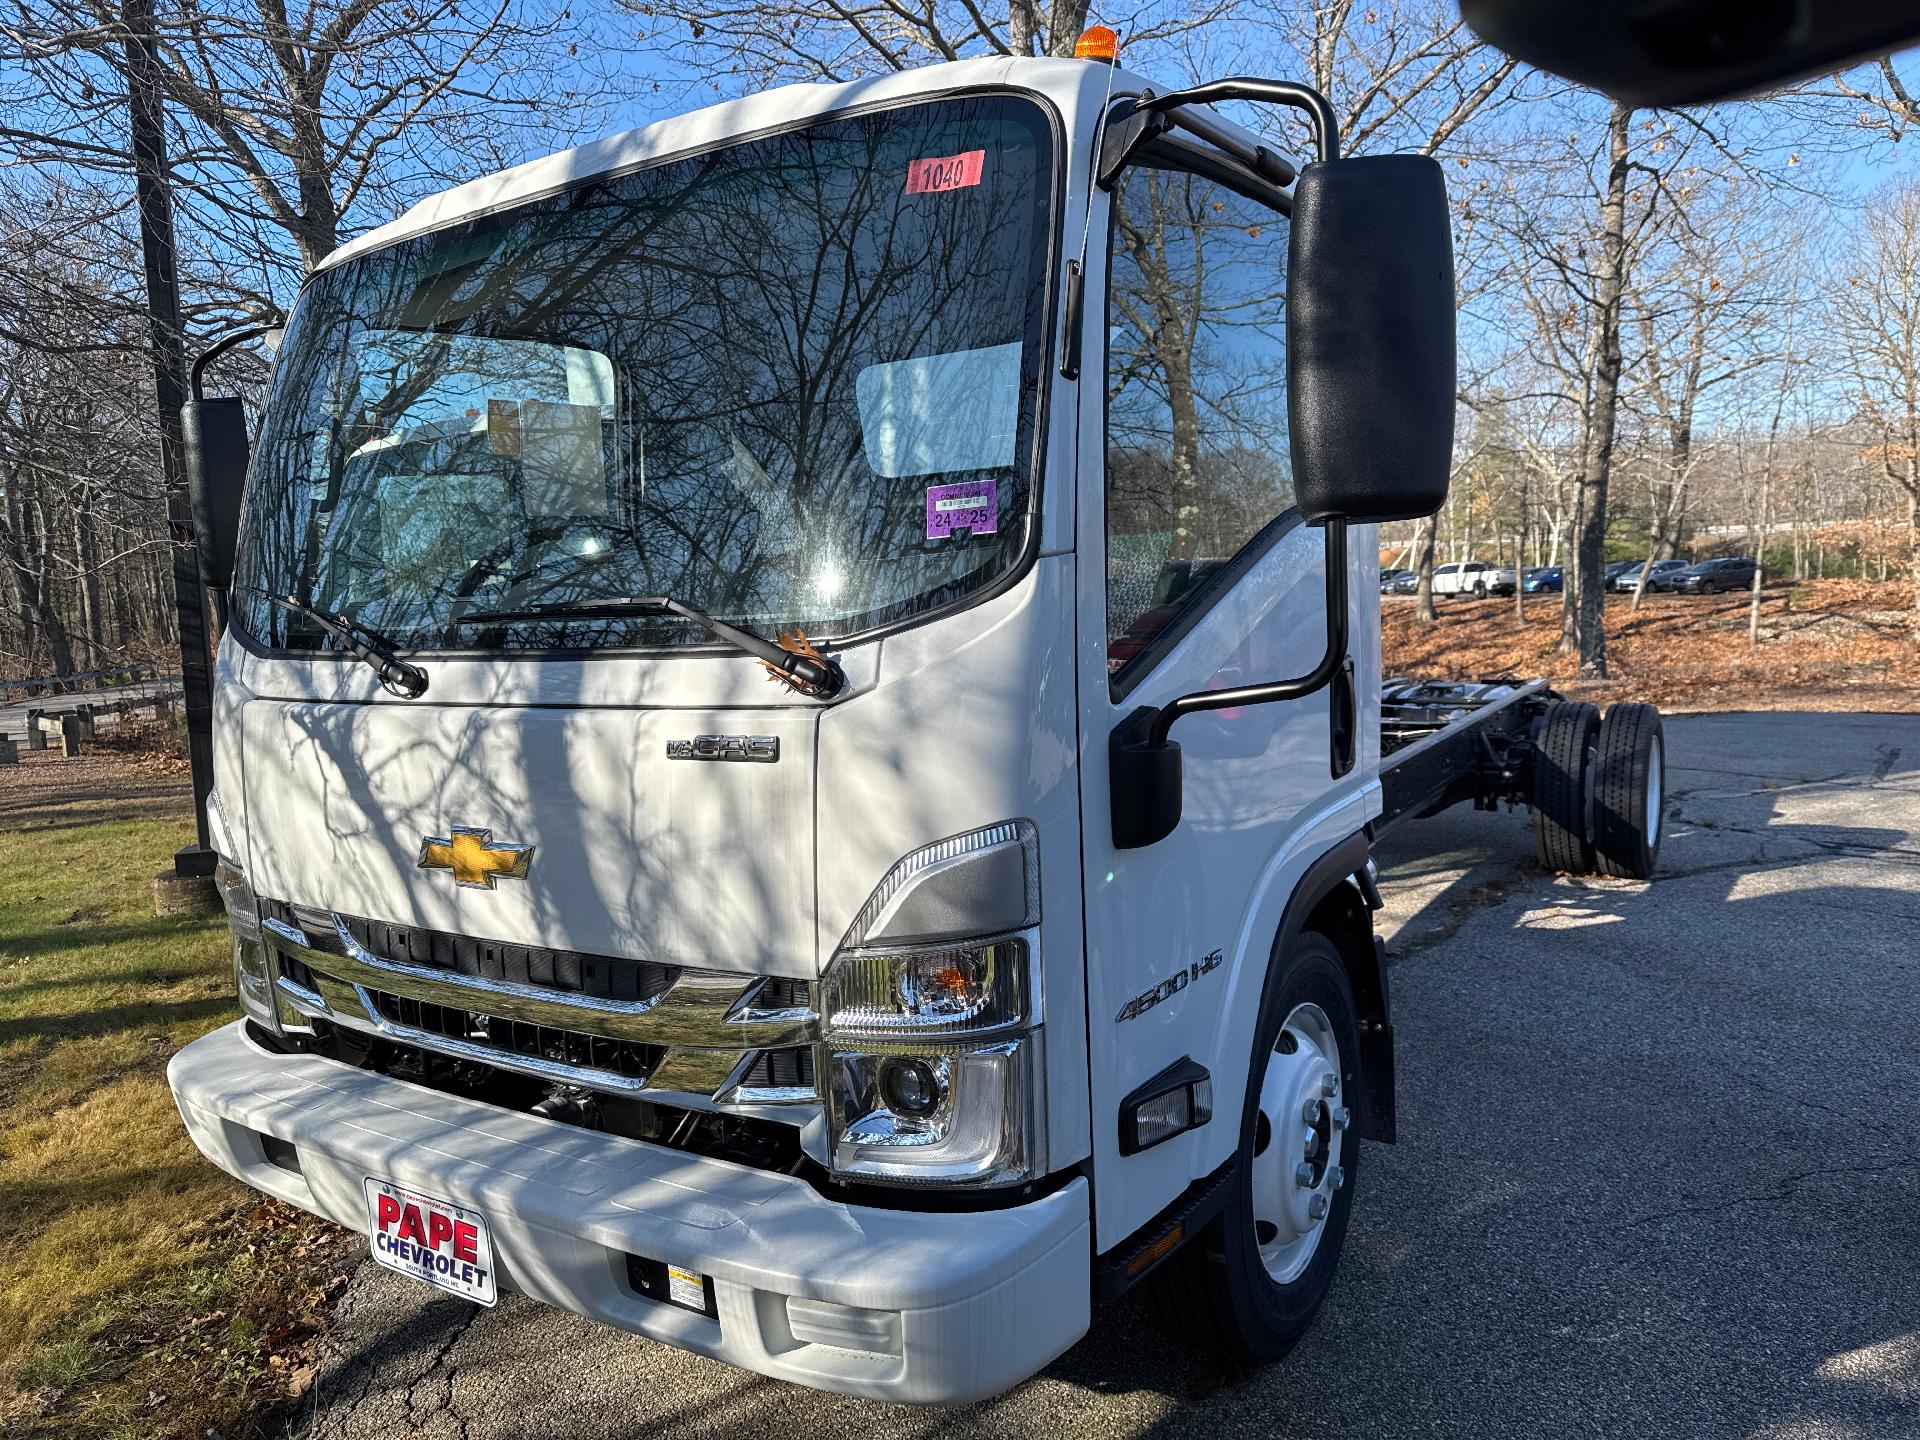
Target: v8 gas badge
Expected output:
[763,748]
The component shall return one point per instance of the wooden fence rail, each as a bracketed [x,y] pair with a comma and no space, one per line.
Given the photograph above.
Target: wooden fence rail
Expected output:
[131,673]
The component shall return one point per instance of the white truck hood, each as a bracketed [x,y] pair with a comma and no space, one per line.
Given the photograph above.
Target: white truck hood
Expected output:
[690,862]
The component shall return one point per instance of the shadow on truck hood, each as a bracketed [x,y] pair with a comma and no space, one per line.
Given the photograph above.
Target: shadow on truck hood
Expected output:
[685,861]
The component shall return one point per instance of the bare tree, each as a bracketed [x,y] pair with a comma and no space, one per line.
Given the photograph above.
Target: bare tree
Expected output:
[294,124]
[1703,313]
[1401,74]
[836,40]
[1876,310]
[82,518]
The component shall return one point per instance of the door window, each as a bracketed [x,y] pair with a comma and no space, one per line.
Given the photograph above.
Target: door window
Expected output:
[1196,458]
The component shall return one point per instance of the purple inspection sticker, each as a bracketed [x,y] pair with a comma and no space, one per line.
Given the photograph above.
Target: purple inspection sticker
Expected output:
[966,506]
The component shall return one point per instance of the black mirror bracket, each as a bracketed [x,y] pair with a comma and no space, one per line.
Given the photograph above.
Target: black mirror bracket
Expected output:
[214,436]
[1145,781]
[1144,764]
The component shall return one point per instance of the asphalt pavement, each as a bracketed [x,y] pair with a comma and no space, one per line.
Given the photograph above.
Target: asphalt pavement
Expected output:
[1657,1170]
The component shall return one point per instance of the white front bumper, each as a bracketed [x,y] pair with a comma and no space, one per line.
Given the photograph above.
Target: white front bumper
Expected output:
[928,1308]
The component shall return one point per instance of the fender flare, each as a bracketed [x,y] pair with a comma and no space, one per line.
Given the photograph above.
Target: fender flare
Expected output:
[1366,957]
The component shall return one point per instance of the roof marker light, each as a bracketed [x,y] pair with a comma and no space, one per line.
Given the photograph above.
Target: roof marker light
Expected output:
[1097,42]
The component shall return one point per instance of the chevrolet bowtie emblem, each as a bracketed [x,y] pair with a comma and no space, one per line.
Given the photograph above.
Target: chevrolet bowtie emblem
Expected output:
[476,862]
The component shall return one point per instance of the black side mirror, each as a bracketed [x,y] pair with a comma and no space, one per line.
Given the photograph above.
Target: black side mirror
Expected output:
[1370,344]
[217,451]
[1687,52]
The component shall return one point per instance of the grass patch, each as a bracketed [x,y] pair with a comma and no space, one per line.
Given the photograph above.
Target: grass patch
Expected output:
[145,1293]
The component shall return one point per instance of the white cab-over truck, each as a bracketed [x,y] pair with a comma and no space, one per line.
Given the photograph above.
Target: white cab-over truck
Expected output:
[799,722]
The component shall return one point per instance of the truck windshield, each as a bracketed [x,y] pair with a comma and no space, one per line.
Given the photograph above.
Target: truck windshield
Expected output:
[790,383]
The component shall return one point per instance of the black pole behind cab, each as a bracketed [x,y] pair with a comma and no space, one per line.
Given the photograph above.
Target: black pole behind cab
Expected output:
[153,203]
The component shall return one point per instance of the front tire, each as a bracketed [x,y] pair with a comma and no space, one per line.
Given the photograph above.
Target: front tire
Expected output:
[1249,1285]
[1479,589]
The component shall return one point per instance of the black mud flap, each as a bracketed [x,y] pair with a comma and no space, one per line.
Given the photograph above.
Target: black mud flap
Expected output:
[1373,1107]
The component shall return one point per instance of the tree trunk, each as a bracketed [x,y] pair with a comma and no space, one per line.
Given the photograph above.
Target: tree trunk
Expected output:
[1175,359]
[1570,581]
[1423,604]
[86,559]
[1520,567]
[1913,546]
[1597,463]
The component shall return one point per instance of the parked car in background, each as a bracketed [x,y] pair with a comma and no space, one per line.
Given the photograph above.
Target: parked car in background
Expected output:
[1729,572]
[1615,568]
[1466,577]
[1501,581]
[1548,579]
[1408,583]
[1391,577]
[1628,580]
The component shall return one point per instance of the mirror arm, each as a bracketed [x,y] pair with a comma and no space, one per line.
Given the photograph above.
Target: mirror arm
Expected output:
[1275,690]
[220,347]
[1326,128]
[1133,124]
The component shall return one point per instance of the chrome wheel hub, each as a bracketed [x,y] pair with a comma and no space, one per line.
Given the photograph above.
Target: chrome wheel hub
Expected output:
[1299,1138]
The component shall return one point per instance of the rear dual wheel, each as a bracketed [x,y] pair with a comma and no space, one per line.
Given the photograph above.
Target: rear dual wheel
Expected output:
[1598,789]
[1563,753]
[1629,788]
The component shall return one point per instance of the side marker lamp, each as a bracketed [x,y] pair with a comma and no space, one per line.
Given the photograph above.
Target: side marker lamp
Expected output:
[1178,1099]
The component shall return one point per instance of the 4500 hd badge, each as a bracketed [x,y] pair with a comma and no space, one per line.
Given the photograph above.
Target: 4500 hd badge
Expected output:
[1168,987]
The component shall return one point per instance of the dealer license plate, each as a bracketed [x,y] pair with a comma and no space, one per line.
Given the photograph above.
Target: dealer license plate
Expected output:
[444,1244]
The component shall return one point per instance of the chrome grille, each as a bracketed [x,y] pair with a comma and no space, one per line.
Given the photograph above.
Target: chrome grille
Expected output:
[608,977]
[516,1037]
[718,1036]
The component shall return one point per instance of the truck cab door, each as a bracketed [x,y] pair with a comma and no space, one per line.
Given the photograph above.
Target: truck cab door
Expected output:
[1195,573]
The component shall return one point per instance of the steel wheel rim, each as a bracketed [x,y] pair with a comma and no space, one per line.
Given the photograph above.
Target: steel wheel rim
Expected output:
[1299,1139]
[1656,770]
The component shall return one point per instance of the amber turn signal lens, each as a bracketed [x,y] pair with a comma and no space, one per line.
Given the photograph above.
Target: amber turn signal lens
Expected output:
[1097,42]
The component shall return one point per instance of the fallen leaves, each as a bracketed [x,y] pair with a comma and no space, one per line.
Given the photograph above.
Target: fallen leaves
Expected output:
[1826,645]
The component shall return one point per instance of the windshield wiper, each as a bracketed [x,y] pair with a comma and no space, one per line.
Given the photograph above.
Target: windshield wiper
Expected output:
[375,649]
[811,674]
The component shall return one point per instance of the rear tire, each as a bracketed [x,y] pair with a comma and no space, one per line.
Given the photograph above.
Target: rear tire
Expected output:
[1248,1286]
[1479,589]
[1629,789]
[1562,759]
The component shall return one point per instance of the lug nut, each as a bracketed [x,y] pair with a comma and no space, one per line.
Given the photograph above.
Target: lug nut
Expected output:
[1309,1112]
[1336,1177]
[1303,1175]
[1342,1117]
[1317,1207]
[1328,1083]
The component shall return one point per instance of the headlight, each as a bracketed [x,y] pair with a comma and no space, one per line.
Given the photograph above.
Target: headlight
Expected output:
[932,1116]
[949,988]
[253,975]
[932,1038]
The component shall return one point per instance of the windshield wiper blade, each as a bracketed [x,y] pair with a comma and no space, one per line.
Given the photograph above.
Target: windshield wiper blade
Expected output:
[375,649]
[812,674]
